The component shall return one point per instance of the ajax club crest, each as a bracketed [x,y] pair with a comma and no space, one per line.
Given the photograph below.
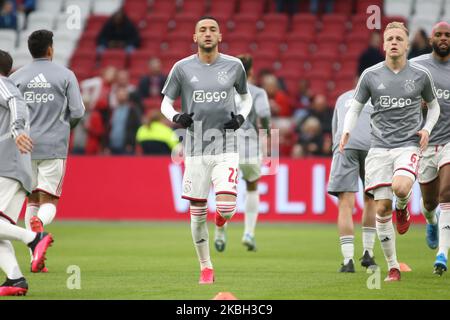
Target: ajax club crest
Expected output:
[222,77]
[409,86]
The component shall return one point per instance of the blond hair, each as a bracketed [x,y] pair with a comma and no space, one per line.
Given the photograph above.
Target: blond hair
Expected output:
[397,25]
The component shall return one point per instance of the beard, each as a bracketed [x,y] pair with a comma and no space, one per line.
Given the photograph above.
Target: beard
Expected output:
[441,52]
[208,49]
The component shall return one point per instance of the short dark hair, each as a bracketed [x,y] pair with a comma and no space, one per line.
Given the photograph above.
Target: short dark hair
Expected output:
[247,61]
[39,41]
[206,18]
[6,63]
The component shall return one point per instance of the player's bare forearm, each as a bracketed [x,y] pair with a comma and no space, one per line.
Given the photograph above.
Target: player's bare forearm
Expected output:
[344,140]
[24,143]
[424,138]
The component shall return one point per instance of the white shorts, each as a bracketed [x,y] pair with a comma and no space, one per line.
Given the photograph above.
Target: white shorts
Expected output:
[383,164]
[48,176]
[251,170]
[433,159]
[12,197]
[200,171]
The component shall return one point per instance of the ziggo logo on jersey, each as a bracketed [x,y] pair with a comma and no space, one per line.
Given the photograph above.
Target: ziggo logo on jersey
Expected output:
[201,96]
[387,101]
[443,94]
[33,97]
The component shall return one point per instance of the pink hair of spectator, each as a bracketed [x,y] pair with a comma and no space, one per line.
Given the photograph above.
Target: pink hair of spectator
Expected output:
[439,24]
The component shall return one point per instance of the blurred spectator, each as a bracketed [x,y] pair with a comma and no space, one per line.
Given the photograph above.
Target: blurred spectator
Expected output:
[122,81]
[372,55]
[420,44]
[280,104]
[151,84]
[311,140]
[154,136]
[288,6]
[304,95]
[98,88]
[8,16]
[318,109]
[125,121]
[118,32]
[314,6]
[26,6]
[88,135]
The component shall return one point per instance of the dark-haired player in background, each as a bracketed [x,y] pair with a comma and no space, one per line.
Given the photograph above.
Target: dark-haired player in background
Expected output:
[53,96]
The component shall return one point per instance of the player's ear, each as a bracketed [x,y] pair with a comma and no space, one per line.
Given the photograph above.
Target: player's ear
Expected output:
[194,37]
[220,37]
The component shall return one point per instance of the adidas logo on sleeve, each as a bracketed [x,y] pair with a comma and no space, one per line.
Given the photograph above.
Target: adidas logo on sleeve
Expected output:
[39,82]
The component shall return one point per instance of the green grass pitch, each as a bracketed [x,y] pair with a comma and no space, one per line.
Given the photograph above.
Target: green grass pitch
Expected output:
[127,260]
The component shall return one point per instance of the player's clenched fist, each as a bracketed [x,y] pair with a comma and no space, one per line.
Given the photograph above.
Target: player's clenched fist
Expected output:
[183,119]
[235,122]
[24,143]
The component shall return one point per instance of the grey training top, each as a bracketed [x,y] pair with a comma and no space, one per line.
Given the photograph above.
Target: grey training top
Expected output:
[360,136]
[14,120]
[207,90]
[397,100]
[52,93]
[249,145]
[441,77]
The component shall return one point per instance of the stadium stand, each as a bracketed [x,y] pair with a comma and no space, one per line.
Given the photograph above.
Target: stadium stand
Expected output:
[321,48]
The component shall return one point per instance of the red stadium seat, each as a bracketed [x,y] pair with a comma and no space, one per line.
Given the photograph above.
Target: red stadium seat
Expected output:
[224,8]
[355,47]
[274,23]
[298,47]
[318,86]
[304,37]
[331,47]
[239,43]
[183,23]
[344,7]
[136,10]
[334,19]
[358,36]
[95,23]
[114,57]
[194,6]
[167,7]
[345,75]
[330,37]
[307,18]
[336,29]
[140,58]
[359,22]
[348,65]
[156,23]
[290,72]
[252,7]
[243,23]
[268,46]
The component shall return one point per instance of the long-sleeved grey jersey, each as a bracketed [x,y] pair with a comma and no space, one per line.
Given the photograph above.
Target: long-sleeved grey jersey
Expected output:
[53,95]
[360,137]
[14,120]
[207,90]
[440,71]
